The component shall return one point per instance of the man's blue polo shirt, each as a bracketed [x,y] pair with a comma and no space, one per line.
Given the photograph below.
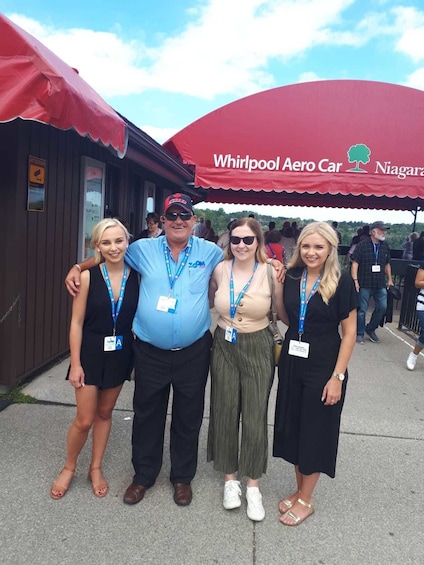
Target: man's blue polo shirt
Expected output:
[192,317]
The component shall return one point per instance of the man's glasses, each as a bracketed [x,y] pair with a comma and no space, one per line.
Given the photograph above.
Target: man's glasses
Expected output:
[172,216]
[248,240]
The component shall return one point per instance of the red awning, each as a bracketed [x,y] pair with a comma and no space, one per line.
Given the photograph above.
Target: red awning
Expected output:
[339,143]
[36,85]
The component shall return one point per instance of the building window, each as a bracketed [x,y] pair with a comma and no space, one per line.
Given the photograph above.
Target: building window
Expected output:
[93,202]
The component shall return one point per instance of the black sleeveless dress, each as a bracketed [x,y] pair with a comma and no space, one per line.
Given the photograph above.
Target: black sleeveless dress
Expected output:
[107,369]
[306,433]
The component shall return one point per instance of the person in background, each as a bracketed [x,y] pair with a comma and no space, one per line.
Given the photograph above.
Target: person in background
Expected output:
[199,229]
[224,238]
[154,228]
[242,365]
[271,225]
[413,356]
[312,372]
[354,242]
[295,229]
[365,235]
[209,234]
[418,248]
[370,268]
[286,224]
[273,247]
[289,243]
[408,246]
[100,340]
[335,225]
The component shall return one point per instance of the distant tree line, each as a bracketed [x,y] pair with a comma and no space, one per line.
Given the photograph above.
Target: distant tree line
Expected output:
[220,219]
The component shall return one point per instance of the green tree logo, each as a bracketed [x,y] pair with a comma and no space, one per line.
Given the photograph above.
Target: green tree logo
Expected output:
[358,153]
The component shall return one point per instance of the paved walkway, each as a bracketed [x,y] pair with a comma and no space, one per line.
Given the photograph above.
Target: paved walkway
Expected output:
[372,513]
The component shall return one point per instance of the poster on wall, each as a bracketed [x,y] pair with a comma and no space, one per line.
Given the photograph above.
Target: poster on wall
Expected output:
[93,201]
[36,184]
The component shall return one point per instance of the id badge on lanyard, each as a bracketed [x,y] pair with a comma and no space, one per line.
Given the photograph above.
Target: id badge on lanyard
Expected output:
[113,342]
[299,348]
[167,304]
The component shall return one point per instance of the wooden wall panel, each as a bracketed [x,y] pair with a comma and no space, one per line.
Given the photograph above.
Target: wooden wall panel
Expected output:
[42,246]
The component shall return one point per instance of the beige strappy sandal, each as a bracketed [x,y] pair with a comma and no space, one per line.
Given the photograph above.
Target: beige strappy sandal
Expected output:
[296,519]
[287,503]
[58,491]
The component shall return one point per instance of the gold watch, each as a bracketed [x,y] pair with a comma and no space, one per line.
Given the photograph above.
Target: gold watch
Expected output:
[339,376]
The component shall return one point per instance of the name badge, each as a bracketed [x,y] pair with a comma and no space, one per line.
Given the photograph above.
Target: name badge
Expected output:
[113,342]
[166,304]
[375,268]
[299,348]
[230,334]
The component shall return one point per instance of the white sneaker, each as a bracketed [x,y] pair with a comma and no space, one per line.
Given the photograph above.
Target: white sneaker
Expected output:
[232,493]
[255,509]
[411,361]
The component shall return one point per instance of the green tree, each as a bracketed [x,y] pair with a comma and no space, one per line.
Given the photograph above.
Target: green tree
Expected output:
[358,153]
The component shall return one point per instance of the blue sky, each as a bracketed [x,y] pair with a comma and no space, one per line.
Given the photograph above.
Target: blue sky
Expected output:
[166,63]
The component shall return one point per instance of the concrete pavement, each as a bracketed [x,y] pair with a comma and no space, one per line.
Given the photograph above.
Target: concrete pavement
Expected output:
[372,513]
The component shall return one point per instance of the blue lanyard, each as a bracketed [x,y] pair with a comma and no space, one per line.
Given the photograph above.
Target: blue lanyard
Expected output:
[375,252]
[116,308]
[181,266]
[233,305]
[305,301]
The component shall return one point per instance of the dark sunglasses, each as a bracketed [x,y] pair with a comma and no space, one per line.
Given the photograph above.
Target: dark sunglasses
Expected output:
[172,216]
[248,240]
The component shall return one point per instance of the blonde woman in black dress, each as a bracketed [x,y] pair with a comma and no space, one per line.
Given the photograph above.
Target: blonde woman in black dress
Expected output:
[313,365]
[100,340]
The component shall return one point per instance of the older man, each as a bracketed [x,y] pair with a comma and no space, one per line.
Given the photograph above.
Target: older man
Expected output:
[370,269]
[172,348]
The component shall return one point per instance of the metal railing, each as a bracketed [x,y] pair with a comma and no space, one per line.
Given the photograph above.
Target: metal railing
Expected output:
[408,315]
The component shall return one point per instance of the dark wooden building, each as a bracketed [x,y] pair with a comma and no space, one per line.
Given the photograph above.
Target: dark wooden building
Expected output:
[67,160]
[44,229]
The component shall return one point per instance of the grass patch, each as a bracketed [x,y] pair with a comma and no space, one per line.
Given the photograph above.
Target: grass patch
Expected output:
[16,396]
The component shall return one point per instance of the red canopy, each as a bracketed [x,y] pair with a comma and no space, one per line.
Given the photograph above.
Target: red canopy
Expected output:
[338,143]
[36,85]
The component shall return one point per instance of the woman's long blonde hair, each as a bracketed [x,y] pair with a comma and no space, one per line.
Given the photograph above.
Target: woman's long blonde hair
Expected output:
[331,272]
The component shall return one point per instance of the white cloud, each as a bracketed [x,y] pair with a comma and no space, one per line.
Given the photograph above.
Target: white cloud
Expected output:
[416,79]
[228,48]
[309,77]
[159,134]
[410,26]
[225,48]
[231,48]
[110,65]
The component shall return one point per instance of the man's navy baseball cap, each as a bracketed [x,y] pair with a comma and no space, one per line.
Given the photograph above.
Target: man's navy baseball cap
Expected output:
[178,199]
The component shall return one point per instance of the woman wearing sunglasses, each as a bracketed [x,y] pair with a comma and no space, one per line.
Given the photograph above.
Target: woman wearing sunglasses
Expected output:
[242,365]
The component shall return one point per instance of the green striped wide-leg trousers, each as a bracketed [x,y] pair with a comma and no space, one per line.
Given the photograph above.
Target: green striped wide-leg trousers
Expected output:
[241,380]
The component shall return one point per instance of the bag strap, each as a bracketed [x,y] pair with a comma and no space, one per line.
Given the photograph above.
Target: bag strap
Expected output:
[274,256]
[271,286]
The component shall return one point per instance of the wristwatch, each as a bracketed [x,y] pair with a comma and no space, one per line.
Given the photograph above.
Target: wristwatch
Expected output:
[339,376]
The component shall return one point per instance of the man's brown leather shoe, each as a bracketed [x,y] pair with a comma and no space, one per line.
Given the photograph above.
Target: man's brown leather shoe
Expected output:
[182,494]
[134,494]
